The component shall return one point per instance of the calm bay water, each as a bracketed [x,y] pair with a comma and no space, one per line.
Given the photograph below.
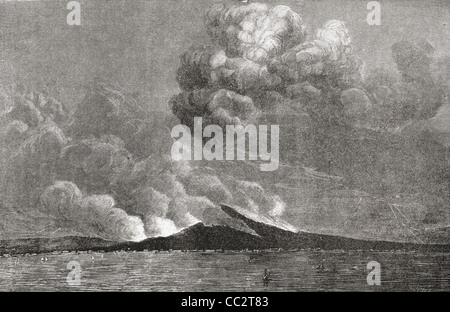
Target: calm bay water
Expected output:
[229,271]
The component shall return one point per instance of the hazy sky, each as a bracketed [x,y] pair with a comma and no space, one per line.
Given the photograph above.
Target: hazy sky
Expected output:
[136,44]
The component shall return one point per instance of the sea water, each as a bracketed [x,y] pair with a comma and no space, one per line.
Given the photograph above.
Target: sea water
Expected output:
[228,271]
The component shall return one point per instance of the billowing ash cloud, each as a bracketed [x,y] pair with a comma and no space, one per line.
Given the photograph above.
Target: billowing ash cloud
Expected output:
[330,55]
[112,175]
[415,92]
[30,159]
[94,163]
[218,80]
[33,107]
[256,32]
[263,64]
[172,195]
[257,50]
[94,214]
[106,170]
[222,107]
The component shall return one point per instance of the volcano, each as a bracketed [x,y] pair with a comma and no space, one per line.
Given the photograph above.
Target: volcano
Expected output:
[216,237]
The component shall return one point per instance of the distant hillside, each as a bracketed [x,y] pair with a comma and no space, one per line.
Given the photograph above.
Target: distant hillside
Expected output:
[46,245]
[201,237]
[289,240]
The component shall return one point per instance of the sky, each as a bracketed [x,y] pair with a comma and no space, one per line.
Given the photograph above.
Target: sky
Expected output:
[136,44]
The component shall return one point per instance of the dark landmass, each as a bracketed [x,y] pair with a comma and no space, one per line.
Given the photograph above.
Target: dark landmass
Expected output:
[58,244]
[201,237]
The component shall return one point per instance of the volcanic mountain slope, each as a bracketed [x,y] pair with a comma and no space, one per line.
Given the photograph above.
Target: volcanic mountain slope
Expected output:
[276,237]
[201,237]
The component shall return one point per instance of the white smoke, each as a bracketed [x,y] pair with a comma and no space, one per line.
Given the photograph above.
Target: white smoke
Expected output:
[95,214]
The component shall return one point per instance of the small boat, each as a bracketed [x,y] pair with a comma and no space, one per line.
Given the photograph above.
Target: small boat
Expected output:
[321,267]
[266,278]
